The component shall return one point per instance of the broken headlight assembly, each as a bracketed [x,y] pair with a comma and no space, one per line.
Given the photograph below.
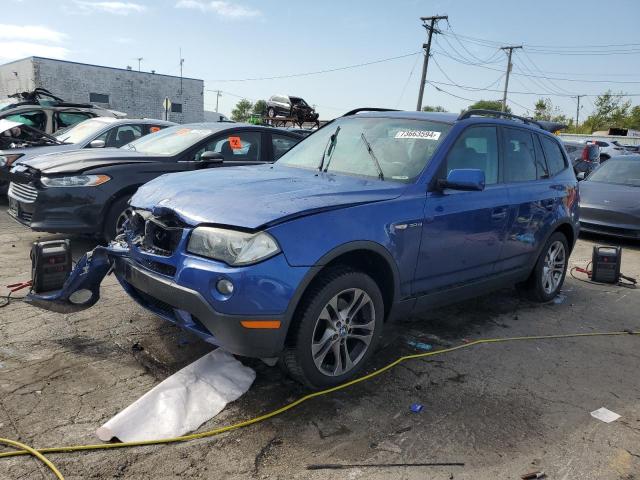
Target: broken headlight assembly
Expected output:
[231,246]
[75,181]
[7,160]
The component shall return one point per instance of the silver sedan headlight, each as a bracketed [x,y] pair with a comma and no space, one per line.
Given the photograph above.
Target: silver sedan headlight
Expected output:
[231,246]
[75,181]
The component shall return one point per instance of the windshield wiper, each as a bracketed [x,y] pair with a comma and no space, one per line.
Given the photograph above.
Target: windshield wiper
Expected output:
[373,156]
[330,148]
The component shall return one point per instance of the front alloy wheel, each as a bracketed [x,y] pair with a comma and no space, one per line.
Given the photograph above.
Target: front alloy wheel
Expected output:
[343,332]
[336,328]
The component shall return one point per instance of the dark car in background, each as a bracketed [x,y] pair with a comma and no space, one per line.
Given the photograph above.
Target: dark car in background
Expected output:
[585,157]
[610,198]
[87,191]
[96,132]
[293,107]
[43,110]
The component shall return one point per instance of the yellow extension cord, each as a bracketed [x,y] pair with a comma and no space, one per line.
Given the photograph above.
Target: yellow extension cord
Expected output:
[39,453]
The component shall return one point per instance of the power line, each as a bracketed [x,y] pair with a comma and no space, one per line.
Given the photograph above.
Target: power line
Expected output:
[317,72]
[509,66]
[448,55]
[459,86]
[539,93]
[404,88]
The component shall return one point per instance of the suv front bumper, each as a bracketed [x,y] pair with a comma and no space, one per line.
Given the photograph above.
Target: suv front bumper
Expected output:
[188,309]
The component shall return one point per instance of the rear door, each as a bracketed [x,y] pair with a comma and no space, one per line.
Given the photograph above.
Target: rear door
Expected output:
[532,193]
[463,232]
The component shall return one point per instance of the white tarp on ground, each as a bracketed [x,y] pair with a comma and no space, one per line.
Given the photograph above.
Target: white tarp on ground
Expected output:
[182,402]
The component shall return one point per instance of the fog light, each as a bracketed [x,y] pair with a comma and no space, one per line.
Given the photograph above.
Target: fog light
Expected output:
[225,287]
[80,296]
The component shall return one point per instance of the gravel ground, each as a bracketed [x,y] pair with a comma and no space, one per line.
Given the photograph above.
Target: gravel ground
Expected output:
[502,409]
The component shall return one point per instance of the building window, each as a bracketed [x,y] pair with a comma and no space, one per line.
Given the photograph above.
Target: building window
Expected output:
[176,107]
[98,97]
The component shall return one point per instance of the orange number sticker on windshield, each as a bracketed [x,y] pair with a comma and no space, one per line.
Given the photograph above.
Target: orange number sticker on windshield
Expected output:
[154,129]
[235,143]
[183,131]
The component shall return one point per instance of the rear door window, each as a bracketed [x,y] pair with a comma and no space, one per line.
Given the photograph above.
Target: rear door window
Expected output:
[66,119]
[519,156]
[553,153]
[36,119]
[281,144]
[476,148]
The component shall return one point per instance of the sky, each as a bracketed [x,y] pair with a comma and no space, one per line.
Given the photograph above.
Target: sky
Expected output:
[579,48]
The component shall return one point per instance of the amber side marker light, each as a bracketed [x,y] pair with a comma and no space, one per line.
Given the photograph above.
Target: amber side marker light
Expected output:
[263,324]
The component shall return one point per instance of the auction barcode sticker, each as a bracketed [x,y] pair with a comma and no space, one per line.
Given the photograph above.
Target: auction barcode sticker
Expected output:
[424,134]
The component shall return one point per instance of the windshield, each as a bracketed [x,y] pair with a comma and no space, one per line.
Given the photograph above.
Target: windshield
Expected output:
[399,148]
[80,132]
[170,141]
[623,172]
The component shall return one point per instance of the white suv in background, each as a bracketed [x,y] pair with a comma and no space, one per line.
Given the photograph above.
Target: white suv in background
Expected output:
[608,149]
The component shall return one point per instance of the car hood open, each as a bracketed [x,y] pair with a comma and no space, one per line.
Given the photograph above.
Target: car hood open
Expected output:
[254,197]
[82,160]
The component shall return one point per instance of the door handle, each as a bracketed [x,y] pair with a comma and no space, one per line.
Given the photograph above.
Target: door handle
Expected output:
[499,213]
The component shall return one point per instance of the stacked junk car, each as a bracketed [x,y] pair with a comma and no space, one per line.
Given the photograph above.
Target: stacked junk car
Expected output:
[220,291]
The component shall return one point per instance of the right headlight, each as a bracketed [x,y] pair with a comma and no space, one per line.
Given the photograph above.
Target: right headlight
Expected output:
[231,246]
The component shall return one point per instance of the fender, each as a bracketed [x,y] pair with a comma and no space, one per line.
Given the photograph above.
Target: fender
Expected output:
[332,255]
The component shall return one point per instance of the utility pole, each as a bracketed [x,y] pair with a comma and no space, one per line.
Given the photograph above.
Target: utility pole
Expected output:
[430,27]
[506,81]
[578,109]
[218,95]
[139,61]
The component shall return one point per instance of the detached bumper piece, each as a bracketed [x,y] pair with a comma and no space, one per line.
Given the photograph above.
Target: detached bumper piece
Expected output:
[81,290]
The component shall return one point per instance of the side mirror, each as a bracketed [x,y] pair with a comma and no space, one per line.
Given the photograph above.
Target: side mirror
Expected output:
[466,179]
[209,159]
[581,176]
[97,144]
[212,157]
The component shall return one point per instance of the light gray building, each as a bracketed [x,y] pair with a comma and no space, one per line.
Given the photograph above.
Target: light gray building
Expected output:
[139,94]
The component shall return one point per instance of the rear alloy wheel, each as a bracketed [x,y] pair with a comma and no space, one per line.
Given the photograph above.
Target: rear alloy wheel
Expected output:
[550,270]
[336,330]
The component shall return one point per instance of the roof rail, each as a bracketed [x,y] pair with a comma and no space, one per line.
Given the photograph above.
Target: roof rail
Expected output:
[495,113]
[368,109]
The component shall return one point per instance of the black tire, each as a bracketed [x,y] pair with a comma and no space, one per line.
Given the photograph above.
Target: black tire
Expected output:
[271,112]
[338,282]
[113,220]
[536,288]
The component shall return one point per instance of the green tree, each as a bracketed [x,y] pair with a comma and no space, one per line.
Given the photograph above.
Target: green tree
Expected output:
[544,110]
[433,108]
[633,120]
[242,111]
[489,105]
[260,107]
[610,111]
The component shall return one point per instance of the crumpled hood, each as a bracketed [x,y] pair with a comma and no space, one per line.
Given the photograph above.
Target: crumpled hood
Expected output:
[252,197]
[82,160]
[31,152]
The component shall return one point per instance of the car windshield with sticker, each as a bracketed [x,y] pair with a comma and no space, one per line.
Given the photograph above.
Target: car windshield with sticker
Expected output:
[170,141]
[391,149]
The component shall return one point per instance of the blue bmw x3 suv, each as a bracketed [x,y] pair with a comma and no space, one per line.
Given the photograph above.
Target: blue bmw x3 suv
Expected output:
[378,214]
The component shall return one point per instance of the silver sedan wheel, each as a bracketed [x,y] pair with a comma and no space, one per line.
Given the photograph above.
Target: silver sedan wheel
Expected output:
[343,332]
[123,217]
[553,268]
